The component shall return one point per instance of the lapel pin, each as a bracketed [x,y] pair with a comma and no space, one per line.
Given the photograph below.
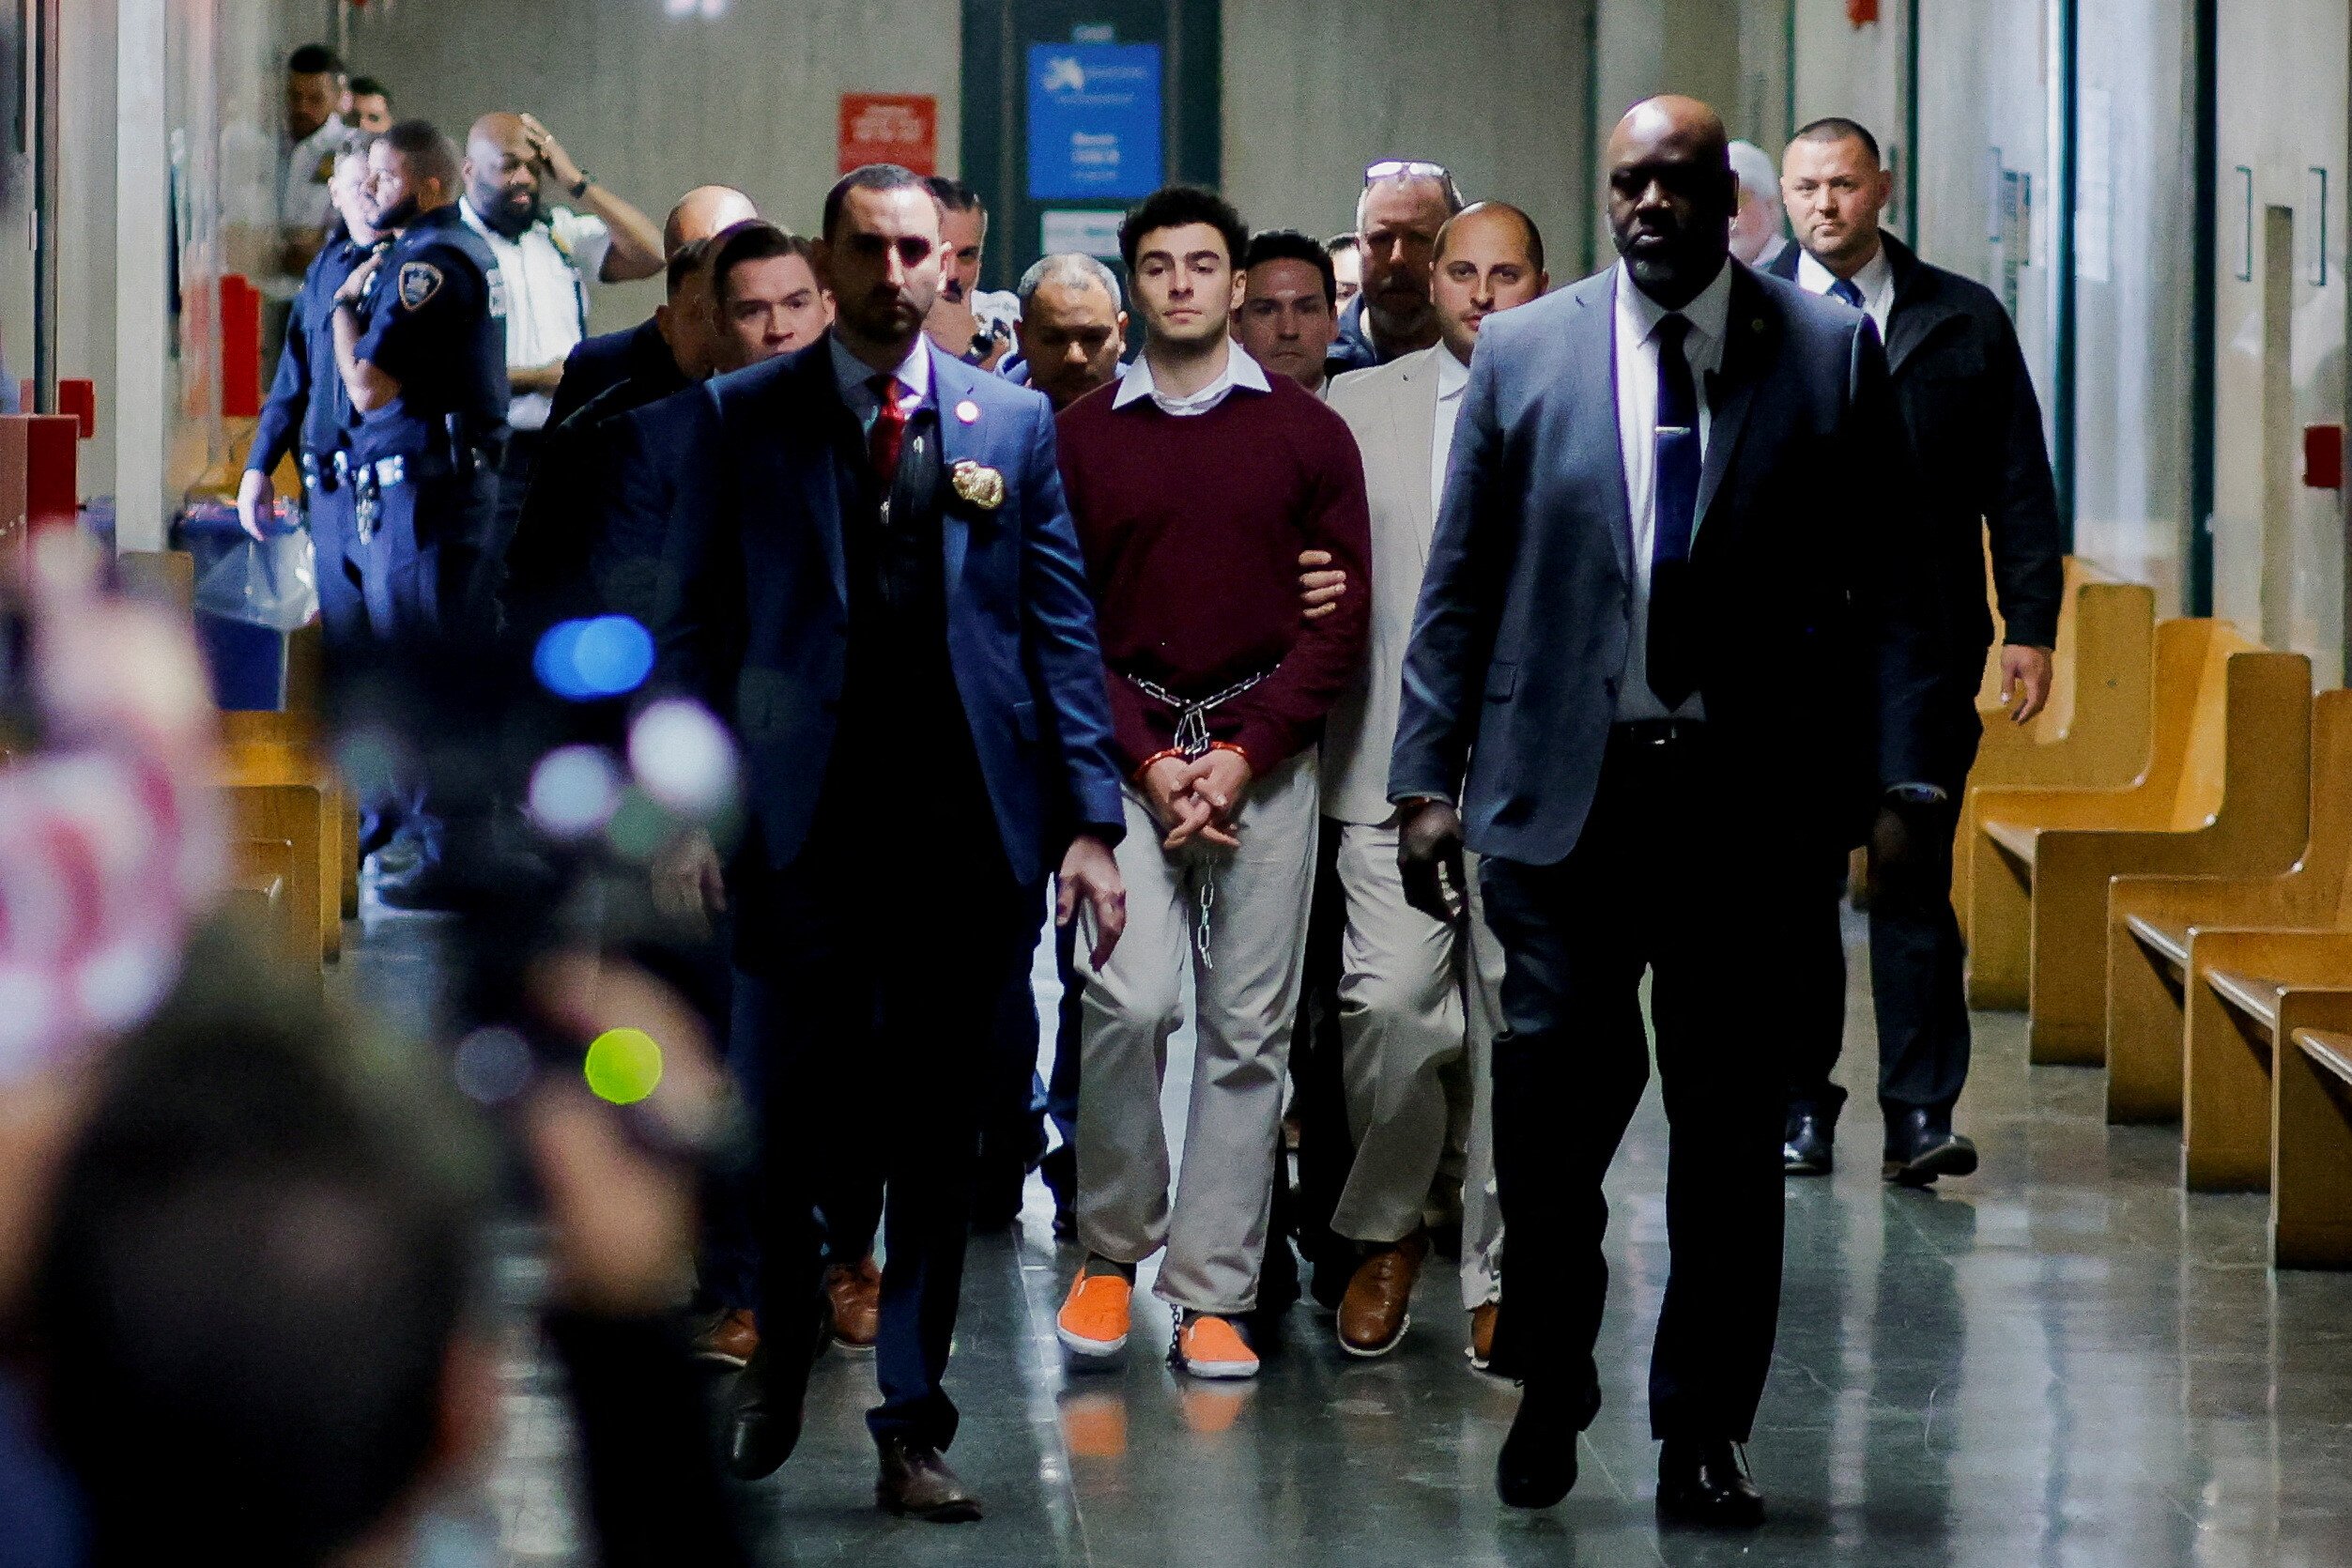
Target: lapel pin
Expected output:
[1757,325]
[968,411]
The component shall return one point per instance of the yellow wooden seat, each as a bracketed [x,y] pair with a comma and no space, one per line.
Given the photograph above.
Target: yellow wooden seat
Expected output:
[2095,732]
[2225,792]
[260,892]
[2247,993]
[294,814]
[259,749]
[2155,926]
[2311,1152]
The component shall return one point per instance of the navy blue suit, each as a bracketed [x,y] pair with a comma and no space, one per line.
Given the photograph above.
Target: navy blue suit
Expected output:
[598,364]
[910,665]
[1699,853]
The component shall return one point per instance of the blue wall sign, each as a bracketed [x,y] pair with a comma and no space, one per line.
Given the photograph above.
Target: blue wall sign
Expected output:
[1094,120]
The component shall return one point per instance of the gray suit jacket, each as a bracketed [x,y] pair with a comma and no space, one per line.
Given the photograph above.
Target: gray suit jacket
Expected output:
[1818,655]
[1392,411]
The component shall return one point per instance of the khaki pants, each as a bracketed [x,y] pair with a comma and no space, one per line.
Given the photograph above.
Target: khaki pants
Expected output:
[1245,993]
[1413,1004]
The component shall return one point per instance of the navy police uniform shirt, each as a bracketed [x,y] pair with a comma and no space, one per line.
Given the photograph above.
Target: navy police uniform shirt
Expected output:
[308,406]
[435,323]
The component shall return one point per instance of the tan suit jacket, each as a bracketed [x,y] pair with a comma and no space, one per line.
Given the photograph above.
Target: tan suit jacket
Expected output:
[1392,411]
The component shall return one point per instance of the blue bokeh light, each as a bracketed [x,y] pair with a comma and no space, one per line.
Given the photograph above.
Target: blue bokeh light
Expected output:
[581,661]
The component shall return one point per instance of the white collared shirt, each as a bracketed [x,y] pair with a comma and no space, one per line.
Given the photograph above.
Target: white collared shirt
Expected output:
[1453,376]
[1239,370]
[1876,280]
[302,199]
[546,270]
[1638,317]
[852,374]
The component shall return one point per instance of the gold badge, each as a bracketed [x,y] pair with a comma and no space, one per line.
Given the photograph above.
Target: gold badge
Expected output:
[977,484]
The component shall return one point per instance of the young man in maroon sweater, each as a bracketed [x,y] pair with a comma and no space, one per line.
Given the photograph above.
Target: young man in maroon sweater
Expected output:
[1196,482]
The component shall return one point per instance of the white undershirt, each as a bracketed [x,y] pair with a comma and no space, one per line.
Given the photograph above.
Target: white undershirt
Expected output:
[1876,280]
[1453,376]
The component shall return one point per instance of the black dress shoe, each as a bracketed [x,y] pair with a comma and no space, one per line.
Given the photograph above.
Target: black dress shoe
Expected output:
[1537,1466]
[916,1482]
[1707,1484]
[763,1429]
[1921,1147]
[1807,1147]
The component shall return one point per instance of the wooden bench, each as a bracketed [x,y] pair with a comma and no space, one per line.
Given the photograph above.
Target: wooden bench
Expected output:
[2226,792]
[266,749]
[2311,1152]
[294,814]
[2095,733]
[2154,926]
[259,893]
[2252,990]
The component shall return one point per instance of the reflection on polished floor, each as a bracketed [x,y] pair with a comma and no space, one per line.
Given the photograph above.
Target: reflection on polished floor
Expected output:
[2057,1362]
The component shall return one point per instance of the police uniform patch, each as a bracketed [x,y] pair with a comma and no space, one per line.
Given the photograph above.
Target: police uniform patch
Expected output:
[325,170]
[418,282]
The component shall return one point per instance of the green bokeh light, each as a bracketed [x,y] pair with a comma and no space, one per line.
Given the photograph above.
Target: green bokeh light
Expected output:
[624,1066]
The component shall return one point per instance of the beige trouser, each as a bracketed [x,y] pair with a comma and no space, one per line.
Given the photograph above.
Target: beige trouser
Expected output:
[1244,995]
[1410,1010]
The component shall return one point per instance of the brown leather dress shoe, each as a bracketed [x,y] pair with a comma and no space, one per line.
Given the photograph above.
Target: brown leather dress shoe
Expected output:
[1481,1350]
[728,1337]
[1375,1312]
[916,1482]
[853,1291]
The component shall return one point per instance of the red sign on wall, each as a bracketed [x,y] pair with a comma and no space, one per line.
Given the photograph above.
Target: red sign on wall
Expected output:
[890,128]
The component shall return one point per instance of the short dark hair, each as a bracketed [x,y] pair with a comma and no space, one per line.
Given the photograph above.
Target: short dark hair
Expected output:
[314,59]
[262,1247]
[1175,205]
[1837,128]
[954,194]
[1339,244]
[1535,236]
[869,177]
[753,239]
[684,265]
[428,152]
[367,86]
[1290,245]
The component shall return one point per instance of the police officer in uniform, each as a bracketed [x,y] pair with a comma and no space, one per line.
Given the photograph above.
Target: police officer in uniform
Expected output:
[309,413]
[421,344]
[419,337]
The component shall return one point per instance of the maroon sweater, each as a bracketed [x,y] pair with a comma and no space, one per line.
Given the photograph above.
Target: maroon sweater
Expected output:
[1192,528]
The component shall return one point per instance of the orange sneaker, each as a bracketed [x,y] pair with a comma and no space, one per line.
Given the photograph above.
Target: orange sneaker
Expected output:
[1211,1346]
[1092,1324]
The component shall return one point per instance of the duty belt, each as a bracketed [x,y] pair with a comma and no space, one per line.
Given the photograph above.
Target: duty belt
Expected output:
[369,481]
[325,473]
[1190,740]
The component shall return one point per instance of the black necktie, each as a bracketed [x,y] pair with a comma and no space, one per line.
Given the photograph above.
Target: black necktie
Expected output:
[1675,504]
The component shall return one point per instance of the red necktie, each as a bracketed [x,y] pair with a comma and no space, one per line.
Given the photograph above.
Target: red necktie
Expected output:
[889,432]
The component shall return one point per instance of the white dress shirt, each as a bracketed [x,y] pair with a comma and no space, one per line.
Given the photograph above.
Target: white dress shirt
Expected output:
[1636,349]
[1239,370]
[1452,376]
[850,374]
[546,269]
[300,200]
[1876,280]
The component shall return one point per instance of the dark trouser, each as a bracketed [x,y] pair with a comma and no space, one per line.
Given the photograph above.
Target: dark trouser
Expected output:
[1060,1168]
[1012,1138]
[1663,879]
[514,470]
[342,606]
[871,1074]
[1327,1151]
[427,572]
[1917,964]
